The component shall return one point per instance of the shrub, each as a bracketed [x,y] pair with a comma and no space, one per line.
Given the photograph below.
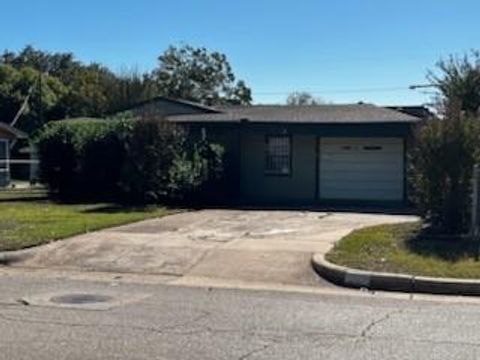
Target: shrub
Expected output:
[82,158]
[150,153]
[197,172]
[58,159]
[165,163]
[134,160]
[442,162]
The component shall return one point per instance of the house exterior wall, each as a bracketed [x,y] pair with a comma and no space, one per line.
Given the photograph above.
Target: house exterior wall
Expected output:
[244,144]
[229,138]
[298,187]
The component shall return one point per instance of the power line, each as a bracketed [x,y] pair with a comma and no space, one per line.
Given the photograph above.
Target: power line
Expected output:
[340,91]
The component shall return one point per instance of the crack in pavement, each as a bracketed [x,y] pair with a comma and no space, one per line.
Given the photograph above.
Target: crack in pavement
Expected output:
[275,338]
[255,351]
[375,322]
[273,341]
[162,330]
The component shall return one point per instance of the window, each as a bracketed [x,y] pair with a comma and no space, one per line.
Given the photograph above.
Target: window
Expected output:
[278,159]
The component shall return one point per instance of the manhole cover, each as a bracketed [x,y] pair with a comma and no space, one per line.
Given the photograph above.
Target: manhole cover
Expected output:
[79,299]
[83,300]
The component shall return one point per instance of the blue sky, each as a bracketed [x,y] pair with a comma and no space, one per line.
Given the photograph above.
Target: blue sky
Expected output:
[343,51]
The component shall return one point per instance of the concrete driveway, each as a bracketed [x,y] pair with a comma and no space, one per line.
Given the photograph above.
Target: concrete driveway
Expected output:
[242,245]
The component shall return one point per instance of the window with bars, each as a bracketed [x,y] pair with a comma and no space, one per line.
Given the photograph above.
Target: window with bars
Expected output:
[278,156]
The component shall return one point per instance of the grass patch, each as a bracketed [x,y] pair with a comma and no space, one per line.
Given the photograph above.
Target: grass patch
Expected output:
[405,248]
[29,218]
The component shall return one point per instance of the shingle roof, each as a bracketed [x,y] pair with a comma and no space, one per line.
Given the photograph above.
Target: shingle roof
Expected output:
[420,111]
[348,114]
[12,131]
[193,105]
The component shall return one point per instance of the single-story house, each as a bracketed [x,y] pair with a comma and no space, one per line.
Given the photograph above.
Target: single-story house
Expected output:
[7,135]
[352,153]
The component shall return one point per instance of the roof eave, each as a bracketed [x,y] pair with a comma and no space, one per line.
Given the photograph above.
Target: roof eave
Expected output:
[280,122]
[15,133]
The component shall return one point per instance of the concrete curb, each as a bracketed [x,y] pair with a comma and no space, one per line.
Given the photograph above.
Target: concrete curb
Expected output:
[11,257]
[344,276]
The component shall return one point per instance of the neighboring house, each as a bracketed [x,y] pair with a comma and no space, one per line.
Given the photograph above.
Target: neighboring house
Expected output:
[303,154]
[7,135]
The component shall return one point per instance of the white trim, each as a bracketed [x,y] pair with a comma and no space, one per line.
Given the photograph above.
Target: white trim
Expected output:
[7,153]
[5,171]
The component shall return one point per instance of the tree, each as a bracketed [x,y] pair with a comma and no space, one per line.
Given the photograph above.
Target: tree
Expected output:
[14,88]
[299,98]
[131,87]
[442,163]
[59,65]
[79,89]
[199,75]
[446,149]
[459,83]
[89,92]
[71,88]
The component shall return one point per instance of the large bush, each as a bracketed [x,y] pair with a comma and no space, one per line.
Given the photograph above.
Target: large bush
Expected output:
[444,154]
[197,171]
[82,158]
[150,150]
[135,160]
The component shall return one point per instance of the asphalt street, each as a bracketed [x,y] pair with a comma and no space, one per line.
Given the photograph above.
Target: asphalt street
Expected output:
[162,321]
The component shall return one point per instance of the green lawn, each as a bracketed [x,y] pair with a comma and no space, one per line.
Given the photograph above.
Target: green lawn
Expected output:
[402,248]
[29,218]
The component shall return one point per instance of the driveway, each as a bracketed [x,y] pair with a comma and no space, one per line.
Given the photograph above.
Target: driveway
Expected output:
[242,245]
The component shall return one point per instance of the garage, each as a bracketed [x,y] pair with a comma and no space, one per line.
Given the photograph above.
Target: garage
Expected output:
[361,169]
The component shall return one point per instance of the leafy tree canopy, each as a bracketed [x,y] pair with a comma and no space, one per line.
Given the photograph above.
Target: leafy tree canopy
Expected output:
[71,88]
[303,98]
[15,84]
[458,80]
[199,75]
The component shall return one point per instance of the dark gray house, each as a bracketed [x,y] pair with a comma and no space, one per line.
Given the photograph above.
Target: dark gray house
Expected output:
[305,154]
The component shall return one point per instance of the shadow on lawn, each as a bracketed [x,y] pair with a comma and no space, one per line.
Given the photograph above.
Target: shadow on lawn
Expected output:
[449,248]
[20,196]
[116,208]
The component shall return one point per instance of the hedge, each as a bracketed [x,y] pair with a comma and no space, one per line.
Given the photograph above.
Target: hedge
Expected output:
[126,160]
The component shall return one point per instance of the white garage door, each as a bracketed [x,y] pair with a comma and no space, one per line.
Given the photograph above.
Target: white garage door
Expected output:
[361,168]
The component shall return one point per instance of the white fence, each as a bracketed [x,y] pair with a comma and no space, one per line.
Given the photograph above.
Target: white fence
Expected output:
[29,166]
